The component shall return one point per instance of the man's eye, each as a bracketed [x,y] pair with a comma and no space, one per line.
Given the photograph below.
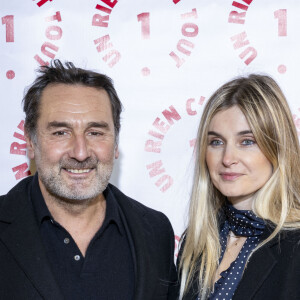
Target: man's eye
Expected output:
[95,133]
[59,133]
[248,142]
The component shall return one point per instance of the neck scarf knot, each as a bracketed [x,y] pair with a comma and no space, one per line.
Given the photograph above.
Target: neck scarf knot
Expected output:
[243,222]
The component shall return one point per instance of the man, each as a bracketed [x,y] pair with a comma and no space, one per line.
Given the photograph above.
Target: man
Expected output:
[65,233]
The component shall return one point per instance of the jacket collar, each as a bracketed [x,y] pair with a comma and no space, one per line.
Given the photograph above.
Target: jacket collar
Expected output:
[140,236]
[21,237]
[254,268]
[259,266]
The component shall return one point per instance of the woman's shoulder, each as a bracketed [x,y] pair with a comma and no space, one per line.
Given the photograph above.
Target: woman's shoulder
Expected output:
[286,242]
[290,237]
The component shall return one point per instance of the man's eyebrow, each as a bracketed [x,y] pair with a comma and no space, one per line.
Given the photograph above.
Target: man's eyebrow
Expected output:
[98,124]
[59,124]
[56,124]
[239,133]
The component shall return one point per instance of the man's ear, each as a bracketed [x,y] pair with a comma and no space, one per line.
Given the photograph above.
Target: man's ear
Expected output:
[116,152]
[30,145]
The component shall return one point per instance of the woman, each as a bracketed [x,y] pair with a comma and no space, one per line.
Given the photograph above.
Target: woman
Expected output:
[243,240]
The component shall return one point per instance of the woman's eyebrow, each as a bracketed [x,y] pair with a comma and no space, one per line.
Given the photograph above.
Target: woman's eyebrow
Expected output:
[214,133]
[243,132]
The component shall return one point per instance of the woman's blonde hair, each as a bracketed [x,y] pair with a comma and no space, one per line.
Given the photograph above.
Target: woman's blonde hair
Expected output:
[270,119]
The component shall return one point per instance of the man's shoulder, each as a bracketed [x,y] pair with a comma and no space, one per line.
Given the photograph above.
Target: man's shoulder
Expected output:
[137,207]
[19,187]
[19,192]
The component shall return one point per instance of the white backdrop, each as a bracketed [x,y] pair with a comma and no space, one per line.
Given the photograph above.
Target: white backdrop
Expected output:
[165,57]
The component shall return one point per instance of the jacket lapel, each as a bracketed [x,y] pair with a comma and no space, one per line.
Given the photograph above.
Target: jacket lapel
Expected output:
[22,238]
[146,274]
[257,270]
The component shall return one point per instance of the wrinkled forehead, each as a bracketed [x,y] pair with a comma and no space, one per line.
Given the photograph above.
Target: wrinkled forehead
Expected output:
[74,101]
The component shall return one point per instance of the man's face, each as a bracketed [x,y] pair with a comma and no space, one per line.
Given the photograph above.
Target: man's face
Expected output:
[75,142]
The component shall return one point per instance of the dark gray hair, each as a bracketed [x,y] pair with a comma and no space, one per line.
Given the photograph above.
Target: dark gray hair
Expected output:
[67,73]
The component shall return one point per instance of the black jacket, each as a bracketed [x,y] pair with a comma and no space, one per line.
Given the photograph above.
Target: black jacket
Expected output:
[272,273]
[25,272]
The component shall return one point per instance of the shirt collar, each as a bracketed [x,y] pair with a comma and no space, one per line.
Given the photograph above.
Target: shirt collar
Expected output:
[112,214]
[41,210]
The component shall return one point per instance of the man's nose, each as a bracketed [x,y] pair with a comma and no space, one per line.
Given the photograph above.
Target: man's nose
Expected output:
[79,148]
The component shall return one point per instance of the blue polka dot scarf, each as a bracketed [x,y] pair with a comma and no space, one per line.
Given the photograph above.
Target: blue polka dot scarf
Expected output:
[241,223]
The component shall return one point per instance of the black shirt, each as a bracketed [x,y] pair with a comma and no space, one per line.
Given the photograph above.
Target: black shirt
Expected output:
[106,271]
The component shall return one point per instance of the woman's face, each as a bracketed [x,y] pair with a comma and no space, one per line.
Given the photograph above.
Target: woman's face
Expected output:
[236,165]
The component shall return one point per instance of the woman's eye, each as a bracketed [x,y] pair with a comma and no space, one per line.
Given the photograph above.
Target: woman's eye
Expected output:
[216,142]
[248,142]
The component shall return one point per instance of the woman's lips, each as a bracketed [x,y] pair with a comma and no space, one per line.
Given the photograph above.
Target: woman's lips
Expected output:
[230,176]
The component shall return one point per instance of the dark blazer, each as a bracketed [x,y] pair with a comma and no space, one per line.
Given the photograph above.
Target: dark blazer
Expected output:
[25,272]
[272,273]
